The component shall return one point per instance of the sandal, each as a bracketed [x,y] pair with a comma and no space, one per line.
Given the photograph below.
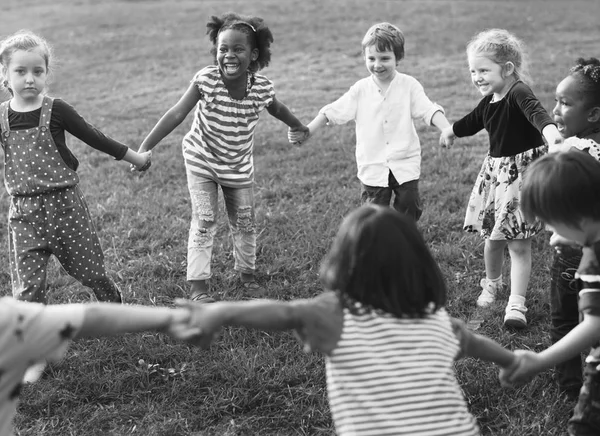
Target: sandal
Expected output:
[203,298]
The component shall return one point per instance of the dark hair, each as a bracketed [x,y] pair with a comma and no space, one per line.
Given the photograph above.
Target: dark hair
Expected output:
[380,260]
[385,37]
[259,35]
[588,73]
[562,188]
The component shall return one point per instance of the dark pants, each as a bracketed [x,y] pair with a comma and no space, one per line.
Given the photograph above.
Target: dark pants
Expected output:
[586,416]
[565,315]
[406,196]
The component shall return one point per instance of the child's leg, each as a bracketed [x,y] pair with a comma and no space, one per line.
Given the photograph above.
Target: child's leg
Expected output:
[586,416]
[407,198]
[204,198]
[565,314]
[520,270]
[493,256]
[240,211]
[376,194]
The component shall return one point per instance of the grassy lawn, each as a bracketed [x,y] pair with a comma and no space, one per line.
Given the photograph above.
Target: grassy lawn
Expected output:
[122,64]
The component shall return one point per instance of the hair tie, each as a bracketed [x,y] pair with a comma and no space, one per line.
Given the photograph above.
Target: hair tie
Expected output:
[592,71]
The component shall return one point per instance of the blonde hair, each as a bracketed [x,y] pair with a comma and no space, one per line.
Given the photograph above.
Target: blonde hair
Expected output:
[22,40]
[385,37]
[501,46]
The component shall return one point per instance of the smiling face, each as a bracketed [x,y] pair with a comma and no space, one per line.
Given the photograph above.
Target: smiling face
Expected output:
[26,74]
[381,64]
[234,54]
[572,109]
[488,76]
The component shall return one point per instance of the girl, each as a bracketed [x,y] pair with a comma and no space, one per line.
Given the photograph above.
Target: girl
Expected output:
[229,98]
[577,115]
[31,332]
[383,318]
[48,214]
[514,118]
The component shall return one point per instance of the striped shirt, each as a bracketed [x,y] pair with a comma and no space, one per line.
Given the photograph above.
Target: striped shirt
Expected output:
[395,376]
[220,143]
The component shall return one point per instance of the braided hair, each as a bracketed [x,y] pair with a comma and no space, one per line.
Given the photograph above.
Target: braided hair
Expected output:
[259,35]
[588,73]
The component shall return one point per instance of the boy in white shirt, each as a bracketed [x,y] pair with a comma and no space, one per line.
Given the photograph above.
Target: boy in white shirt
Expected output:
[384,105]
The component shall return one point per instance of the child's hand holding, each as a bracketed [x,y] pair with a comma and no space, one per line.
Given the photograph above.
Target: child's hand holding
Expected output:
[527,365]
[447,137]
[182,328]
[147,159]
[297,135]
[205,318]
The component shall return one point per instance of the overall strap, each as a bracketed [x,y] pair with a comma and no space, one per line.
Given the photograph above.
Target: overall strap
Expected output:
[4,118]
[46,112]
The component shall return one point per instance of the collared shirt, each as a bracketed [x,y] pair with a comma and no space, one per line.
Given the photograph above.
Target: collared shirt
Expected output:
[386,138]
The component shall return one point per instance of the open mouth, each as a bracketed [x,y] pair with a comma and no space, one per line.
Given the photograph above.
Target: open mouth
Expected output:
[230,68]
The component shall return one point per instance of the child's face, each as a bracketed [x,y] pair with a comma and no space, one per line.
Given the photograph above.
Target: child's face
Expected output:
[381,64]
[570,111]
[487,75]
[234,54]
[26,74]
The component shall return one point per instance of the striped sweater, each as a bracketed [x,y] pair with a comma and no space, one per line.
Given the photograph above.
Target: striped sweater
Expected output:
[220,143]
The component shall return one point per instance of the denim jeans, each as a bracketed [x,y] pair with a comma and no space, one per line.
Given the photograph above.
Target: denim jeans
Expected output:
[565,314]
[239,203]
[406,199]
[586,416]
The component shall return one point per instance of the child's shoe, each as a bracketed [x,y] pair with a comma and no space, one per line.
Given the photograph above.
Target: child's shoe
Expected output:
[515,316]
[34,372]
[488,293]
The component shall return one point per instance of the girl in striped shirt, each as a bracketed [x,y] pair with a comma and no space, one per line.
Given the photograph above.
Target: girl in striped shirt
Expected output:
[390,345]
[229,97]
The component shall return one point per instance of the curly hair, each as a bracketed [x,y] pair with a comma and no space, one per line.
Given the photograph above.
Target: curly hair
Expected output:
[259,35]
[588,73]
[501,46]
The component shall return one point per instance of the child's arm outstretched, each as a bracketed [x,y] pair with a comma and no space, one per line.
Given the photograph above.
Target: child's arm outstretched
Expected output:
[283,113]
[172,118]
[481,347]
[583,336]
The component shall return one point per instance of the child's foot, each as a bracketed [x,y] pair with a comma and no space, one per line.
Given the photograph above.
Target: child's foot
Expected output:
[515,316]
[199,292]
[488,293]
[34,372]
[251,285]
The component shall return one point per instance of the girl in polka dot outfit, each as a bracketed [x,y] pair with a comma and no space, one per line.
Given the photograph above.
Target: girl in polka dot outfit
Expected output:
[48,214]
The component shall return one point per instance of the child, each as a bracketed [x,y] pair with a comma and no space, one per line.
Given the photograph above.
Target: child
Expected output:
[577,114]
[562,190]
[48,214]
[384,105]
[31,332]
[513,117]
[229,98]
[382,320]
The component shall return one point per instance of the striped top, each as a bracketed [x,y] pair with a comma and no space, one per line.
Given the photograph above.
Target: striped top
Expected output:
[220,143]
[395,376]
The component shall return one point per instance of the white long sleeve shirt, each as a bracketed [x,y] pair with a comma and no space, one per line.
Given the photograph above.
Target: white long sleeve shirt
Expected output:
[386,138]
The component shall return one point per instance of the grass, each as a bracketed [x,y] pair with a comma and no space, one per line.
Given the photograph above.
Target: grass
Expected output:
[123,63]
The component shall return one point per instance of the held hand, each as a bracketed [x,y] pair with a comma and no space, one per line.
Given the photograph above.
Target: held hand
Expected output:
[183,330]
[527,364]
[298,135]
[147,156]
[447,138]
[205,319]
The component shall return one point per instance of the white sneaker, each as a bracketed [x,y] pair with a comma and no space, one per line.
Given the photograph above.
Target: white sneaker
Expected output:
[515,316]
[488,293]
[34,372]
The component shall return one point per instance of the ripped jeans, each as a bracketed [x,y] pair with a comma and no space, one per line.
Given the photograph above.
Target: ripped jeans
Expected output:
[239,203]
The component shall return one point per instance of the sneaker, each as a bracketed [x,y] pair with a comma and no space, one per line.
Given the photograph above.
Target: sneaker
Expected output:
[488,293]
[34,372]
[515,316]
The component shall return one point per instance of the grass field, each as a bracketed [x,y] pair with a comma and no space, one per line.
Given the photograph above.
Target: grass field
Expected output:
[122,64]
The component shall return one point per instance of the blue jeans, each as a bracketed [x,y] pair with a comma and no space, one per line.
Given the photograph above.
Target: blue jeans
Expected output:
[586,416]
[406,198]
[239,203]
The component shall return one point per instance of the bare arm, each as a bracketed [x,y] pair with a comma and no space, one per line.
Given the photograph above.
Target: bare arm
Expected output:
[282,113]
[109,319]
[481,347]
[172,118]
[440,121]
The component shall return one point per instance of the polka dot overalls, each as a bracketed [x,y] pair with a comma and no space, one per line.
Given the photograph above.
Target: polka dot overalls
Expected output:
[48,214]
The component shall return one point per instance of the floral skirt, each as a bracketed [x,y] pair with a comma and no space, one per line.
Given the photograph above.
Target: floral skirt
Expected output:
[494,206]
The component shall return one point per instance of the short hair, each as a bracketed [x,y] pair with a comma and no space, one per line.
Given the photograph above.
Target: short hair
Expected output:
[501,46]
[385,37]
[380,259]
[562,188]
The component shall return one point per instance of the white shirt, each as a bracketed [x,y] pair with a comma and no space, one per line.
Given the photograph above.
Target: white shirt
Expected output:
[386,138]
